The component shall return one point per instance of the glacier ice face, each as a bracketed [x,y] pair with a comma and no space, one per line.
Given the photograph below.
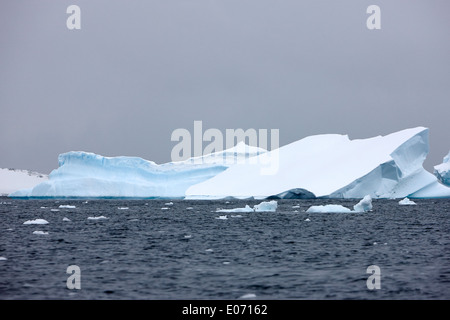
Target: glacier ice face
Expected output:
[334,166]
[442,171]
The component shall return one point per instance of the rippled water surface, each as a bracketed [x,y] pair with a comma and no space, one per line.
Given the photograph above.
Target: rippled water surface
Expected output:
[142,251]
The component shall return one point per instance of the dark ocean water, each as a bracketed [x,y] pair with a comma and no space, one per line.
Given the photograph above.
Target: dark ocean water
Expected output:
[145,252]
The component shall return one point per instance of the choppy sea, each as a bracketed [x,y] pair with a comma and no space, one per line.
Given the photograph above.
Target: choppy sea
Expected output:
[180,249]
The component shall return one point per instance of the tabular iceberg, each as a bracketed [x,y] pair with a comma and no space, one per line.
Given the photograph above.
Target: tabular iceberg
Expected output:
[329,165]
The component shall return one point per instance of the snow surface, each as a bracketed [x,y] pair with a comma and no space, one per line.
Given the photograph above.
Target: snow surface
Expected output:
[442,171]
[12,180]
[334,166]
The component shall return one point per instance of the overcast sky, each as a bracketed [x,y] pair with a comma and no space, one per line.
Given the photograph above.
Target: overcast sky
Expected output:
[137,70]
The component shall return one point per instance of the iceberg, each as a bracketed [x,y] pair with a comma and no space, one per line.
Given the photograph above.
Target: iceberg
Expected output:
[442,171]
[333,166]
[319,166]
[88,175]
[364,205]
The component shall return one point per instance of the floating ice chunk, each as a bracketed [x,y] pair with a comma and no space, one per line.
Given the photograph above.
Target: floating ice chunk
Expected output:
[248,296]
[97,218]
[3,259]
[168,204]
[66,206]
[209,250]
[43,207]
[188,236]
[364,205]
[246,209]
[266,206]
[236,216]
[36,221]
[189,208]
[122,208]
[66,219]
[335,208]
[406,201]
[226,262]
[164,208]
[295,207]
[222,217]
[307,219]
[39,232]
[54,210]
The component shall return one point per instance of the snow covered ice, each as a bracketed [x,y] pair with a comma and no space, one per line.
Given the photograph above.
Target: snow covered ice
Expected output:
[363,206]
[327,165]
[265,206]
[406,201]
[36,221]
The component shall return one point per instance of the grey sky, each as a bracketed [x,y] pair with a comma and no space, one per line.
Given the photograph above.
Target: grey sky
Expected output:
[137,70]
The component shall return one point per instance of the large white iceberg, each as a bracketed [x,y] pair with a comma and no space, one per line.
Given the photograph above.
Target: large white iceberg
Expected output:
[442,171]
[328,165]
[334,166]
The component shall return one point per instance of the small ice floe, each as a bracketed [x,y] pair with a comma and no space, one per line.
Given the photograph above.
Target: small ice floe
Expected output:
[265,206]
[40,232]
[248,296]
[122,208]
[189,208]
[375,243]
[164,208]
[363,206]
[168,203]
[43,207]
[209,250]
[66,206]
[36,221]
[3,259]
[66,219]
[307,219]
[227,202]
[97,218]
[406,202]
[54,210]
[236,216]
[222,218]
[188,236]
[226,262]
[295,207]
